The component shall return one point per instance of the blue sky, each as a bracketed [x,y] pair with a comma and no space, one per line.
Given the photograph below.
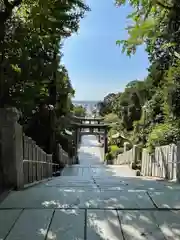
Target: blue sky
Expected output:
[95,64]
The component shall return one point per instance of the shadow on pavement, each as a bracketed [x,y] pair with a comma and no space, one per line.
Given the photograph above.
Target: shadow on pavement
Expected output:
[93,201]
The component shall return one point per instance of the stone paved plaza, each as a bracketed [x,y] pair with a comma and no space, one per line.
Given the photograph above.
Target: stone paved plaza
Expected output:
[92,201]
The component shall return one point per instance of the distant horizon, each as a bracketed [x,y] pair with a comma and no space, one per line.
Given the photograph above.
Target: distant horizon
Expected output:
[75,100]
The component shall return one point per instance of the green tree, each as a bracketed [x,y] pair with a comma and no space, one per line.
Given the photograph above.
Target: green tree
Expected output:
[105,106]
[32,77]
[156,24]
[79,111]
[150,18]
[30,51]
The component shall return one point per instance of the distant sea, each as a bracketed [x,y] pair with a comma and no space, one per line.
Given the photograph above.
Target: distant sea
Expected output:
[89,105]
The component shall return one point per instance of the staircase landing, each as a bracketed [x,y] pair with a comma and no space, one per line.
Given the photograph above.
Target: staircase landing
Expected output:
[92,201]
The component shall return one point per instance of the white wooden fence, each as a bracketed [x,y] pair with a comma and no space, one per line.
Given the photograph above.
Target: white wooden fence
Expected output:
[124,158]
[37,164]
[128,157]
[63,157]
[164,163]
[22,161]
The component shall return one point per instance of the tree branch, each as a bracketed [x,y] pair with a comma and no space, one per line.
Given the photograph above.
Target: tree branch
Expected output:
[163,6]
[11,5]
[4,15]
[16,3]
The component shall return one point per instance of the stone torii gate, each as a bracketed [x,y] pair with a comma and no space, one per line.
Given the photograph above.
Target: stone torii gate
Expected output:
[90,120]
[82,127]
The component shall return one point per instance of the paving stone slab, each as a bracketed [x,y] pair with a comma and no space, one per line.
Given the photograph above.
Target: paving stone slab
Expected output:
[32,224]
[129,180]
[139,225]
[77,171]
[116,171]
[103,225]
[67,225]
[77,188]
[135,183]
[111,177]
[121,188]
[53,198]
[72,178]
[118,200]
[7,220]
[69,182]
[98,170]
[168,199]
[169,223]
[131,187]
[110,182]
[43,198]
[77,198]
[125,199]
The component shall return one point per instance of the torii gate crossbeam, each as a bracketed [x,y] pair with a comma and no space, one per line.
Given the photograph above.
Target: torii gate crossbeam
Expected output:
[102,128]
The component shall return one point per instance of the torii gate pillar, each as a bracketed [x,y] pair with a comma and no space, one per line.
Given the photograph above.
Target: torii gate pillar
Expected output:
[105,141]
[77,140]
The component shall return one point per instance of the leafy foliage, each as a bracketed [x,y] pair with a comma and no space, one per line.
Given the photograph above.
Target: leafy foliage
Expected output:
[32,77]
[127,105]
[79,111]
[149,110]
[30,57]
[163,134]
[151,19]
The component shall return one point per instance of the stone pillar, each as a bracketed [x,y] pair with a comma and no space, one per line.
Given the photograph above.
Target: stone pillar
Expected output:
[135,155]
[178,163]
[76,140]
[78,136]
[11,148]
[60,158]
[105,141]
[73,155]
[135,148]
[125,146]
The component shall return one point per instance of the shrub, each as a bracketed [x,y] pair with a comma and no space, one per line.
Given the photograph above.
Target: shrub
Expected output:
[109,156]
[113,152]
[114,148]
[163,134]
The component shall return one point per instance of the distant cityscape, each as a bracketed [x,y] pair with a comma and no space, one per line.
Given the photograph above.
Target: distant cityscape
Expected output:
[89,105]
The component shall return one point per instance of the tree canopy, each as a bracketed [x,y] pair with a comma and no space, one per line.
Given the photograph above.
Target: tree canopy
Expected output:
[153,22]
[32,33]
[32,76]
[149,109]
[79,111]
